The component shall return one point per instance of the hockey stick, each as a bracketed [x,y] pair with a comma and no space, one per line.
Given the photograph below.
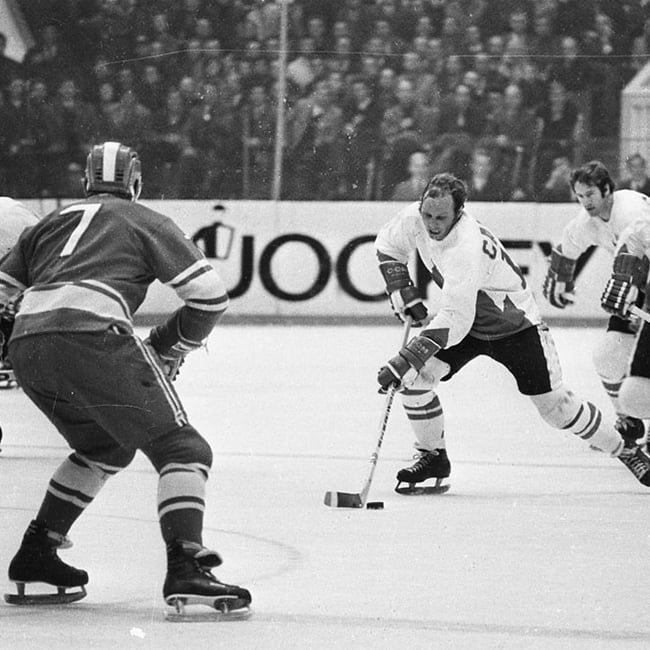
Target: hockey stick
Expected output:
[358,499]
[637,311]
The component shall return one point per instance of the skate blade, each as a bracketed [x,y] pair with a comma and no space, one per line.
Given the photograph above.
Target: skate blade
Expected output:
[413,489]
[223,608]
[62,597]
[342,500]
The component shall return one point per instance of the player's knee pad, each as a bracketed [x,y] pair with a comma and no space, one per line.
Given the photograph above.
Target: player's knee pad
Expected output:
[611,355]
[634,397]
[558,407]
[183,446]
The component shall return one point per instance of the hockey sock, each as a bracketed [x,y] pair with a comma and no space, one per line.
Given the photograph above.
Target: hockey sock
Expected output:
[425,414]
[612,389]
[588,424]
[71,489]
[181,501]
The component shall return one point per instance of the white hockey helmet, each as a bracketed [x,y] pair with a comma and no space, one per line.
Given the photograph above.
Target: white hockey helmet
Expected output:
[113,168]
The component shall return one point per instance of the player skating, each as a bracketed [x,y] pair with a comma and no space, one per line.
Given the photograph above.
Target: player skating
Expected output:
[604,214]
[14,218]
[83,271]
[486,308]
[626,286]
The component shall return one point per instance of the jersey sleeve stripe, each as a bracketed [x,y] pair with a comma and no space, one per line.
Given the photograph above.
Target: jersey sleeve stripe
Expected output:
[7,282]
[190,273]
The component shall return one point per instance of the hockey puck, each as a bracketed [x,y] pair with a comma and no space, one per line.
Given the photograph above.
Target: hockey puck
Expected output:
[375,505]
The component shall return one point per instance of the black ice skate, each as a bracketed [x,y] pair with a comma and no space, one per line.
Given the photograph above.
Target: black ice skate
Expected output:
[637,461]
[37,562]
[430,464]
[631,429]
[190,582]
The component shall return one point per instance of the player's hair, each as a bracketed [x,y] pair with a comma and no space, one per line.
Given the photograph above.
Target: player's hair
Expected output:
[113,168]
[592,173]
[446,185]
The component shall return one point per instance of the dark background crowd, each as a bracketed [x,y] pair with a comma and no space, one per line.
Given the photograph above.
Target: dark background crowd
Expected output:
[507,94]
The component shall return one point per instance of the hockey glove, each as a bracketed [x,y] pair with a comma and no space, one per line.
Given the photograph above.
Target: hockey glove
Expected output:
[403,369]
[7,319]
[558,287]
[622,289]
[170,355]
[403,295]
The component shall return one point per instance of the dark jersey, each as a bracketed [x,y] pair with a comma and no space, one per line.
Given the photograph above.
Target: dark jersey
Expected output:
[88,265]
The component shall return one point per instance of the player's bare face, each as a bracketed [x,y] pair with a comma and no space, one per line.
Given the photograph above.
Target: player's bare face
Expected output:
[592,200]
[438,216]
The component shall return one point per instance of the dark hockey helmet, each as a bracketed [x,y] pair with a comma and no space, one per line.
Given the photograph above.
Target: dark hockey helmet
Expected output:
[114,168]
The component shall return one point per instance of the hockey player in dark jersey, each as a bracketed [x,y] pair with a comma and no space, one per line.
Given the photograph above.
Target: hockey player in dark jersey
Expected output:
[83,271]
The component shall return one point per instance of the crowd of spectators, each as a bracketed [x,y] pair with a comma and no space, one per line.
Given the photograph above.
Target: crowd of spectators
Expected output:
[379,93]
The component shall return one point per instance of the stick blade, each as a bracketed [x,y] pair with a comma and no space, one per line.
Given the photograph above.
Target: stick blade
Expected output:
[342,500]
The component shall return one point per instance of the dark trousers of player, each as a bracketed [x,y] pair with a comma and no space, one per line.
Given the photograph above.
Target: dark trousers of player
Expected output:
[524,354]
[107,397]
[640,366]
[100,389]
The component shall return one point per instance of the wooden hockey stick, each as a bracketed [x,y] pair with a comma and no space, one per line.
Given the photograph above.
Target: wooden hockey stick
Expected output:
[358,499]
[637,311]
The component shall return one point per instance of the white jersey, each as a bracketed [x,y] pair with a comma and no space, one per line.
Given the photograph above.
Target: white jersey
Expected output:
[584,231]
[14,218]
[483,292]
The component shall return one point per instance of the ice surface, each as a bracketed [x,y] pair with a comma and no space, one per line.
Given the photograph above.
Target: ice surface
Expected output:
[541,542]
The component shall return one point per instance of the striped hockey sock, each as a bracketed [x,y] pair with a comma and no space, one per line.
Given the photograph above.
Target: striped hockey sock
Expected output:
[71,489]
[181,501]
[425,414]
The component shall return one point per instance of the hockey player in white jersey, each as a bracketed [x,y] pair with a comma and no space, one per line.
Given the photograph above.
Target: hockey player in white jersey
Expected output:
[623,291]
[14,218]
[604,214]
[486,308]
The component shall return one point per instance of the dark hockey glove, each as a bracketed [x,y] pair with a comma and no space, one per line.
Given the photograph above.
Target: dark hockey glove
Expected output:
[558,287]
[403,295]
[171,355]
[622,289]
[403,369]
[7,319]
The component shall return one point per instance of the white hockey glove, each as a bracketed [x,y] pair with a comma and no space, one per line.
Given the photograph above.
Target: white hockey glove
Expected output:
[402,370]
[558,287]
[404,297]
[622,289]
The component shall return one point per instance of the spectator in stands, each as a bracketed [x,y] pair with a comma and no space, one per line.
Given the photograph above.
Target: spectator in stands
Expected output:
[451,74]
[130,121]
[417,117]
[50,58]
[151,88]
[637,175]
[397,145]
[557,188]
[163,151]
[314,147]
[362,116]
[513,129]
[258,132]
[559,132]
[207,136]
[486,181]
[75,122]
[460,114]
[419,169]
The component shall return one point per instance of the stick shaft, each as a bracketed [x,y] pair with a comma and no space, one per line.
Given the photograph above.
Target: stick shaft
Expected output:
[383,422]
[642,314]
